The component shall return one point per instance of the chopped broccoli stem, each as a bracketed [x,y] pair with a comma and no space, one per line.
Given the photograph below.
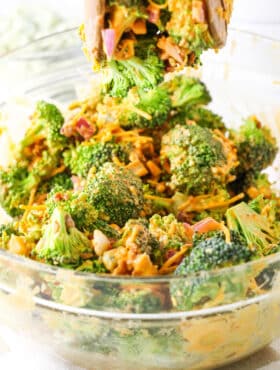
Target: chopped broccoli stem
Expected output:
[258,231]
[62,244]
[144,70]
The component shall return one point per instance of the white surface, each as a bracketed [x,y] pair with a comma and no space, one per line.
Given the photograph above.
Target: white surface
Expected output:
[260,16]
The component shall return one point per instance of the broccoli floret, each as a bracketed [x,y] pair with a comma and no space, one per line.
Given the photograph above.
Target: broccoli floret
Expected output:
[76,204]
[59,181]
[116,193]
[155,103]
[62,243]
[118,83]
[136,233]
[16,184]
[145,70]
[85,216]
[19,180]
[47,122]
[186,92]
[256,148]
[214,252]
[138,301]
[258,230]
[201,116]
[205,118]
[91,155]
[171,235]
[209,253]
[195,155]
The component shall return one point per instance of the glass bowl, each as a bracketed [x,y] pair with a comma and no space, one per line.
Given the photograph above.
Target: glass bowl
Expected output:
[196,322]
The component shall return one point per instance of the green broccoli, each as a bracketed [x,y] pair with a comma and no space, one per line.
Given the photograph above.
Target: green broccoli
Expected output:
[214,252]
[136,233]
[84,214]
[117,82]
[62,244]
[194,154]
[259,231]
[171,235]
[61,181]
[186,92]
[256,148]
[19,180]
[205,118]
[16,185]
[116,193]
[91,155]
[47,122]
[156,103]
[145,70]
[210,253]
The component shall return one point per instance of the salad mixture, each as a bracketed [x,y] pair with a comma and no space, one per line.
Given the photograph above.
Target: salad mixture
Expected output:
[141,178]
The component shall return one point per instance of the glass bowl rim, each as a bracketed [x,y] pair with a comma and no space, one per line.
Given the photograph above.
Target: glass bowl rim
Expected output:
[89,276]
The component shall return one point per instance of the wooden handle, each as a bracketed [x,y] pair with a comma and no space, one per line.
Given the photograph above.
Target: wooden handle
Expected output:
[217,20]
[94,24]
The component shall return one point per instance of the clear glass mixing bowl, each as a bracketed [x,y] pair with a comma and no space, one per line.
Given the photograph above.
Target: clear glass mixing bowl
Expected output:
[74,314]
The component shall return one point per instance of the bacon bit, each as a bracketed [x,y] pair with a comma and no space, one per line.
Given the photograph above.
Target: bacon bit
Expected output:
[198,12]
[81,127]
[84,129]
[170,49]
[139,27]
[206,225]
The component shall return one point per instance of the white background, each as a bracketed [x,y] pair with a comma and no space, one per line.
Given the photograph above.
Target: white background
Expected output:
[259,16]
